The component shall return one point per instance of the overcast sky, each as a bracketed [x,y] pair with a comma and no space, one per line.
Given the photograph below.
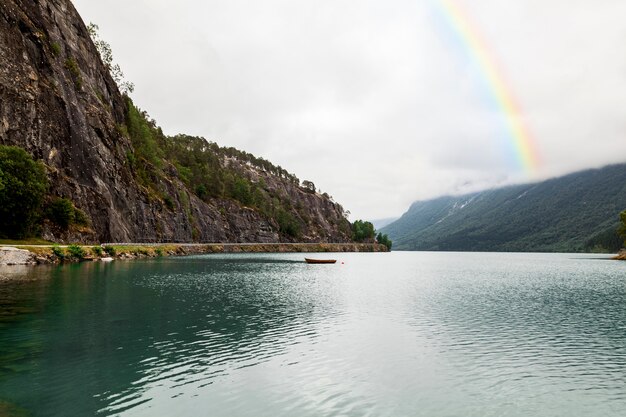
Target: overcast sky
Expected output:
[378,102]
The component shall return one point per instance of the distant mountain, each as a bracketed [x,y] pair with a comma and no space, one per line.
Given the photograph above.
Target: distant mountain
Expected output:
[575,213]
[380,223]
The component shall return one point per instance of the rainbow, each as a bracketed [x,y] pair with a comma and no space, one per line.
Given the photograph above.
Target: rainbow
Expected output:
[477,49]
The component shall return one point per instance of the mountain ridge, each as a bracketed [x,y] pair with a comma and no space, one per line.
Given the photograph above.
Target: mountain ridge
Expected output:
[561,214]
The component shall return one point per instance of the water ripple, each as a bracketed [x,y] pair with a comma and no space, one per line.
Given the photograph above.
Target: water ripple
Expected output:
[400,334]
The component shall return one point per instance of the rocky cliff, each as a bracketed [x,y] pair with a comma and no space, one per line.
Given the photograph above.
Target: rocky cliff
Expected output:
[59,102]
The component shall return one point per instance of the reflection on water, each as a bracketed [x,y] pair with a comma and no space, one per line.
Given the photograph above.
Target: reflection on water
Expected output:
[432,334]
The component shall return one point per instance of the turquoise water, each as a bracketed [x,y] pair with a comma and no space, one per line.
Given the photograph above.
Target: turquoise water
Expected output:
[399,334]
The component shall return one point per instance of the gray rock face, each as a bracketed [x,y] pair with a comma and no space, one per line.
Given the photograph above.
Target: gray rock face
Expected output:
[59,102]
[14,256]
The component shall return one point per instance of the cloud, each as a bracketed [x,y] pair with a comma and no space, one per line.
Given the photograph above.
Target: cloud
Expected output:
[372,100]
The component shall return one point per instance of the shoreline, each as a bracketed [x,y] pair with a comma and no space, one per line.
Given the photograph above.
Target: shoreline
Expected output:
[53,254]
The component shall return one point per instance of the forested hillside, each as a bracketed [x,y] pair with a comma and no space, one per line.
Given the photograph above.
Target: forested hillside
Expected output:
[574,213]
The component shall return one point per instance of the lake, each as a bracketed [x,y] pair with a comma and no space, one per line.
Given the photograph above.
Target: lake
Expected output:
[397,334]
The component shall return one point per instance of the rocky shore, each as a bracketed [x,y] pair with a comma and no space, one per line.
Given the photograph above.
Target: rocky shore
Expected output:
[33,255]
[621,256]
[15,256]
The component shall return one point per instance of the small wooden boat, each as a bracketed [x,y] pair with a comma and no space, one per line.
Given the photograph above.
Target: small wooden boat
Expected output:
[320,261]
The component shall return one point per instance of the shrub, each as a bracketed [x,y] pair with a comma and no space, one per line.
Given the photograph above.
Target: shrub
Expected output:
[132,161]
[158,251]
[23,184]
[56,48]
[201,191]
[97,250]
[58,252]
[287,223]
[183,197]
[169,203]
[61,212]
[110,250]
[72,67]
[80,218]
[241,191]
[76,251]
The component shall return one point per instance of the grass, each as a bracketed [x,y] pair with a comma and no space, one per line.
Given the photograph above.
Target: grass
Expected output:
[81,252]
[90,251]
[72,67]
[56,48]
[29,241]
[39,251]
[144,250]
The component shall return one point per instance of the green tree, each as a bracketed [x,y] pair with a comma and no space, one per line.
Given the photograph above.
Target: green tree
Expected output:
[309,186]
[241,191]
[61,212]
[106,53]
[288,223]
[23,184]
[384,240]
[146,138]
[362,230]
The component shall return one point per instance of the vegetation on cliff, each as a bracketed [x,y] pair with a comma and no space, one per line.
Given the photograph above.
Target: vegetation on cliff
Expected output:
[23,185]
[63,213]
[208,171]
[106,53]
[24,202]
[203,166]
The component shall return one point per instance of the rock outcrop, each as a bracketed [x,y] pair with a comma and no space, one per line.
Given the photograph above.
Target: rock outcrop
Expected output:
[59,102]
[14,256]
